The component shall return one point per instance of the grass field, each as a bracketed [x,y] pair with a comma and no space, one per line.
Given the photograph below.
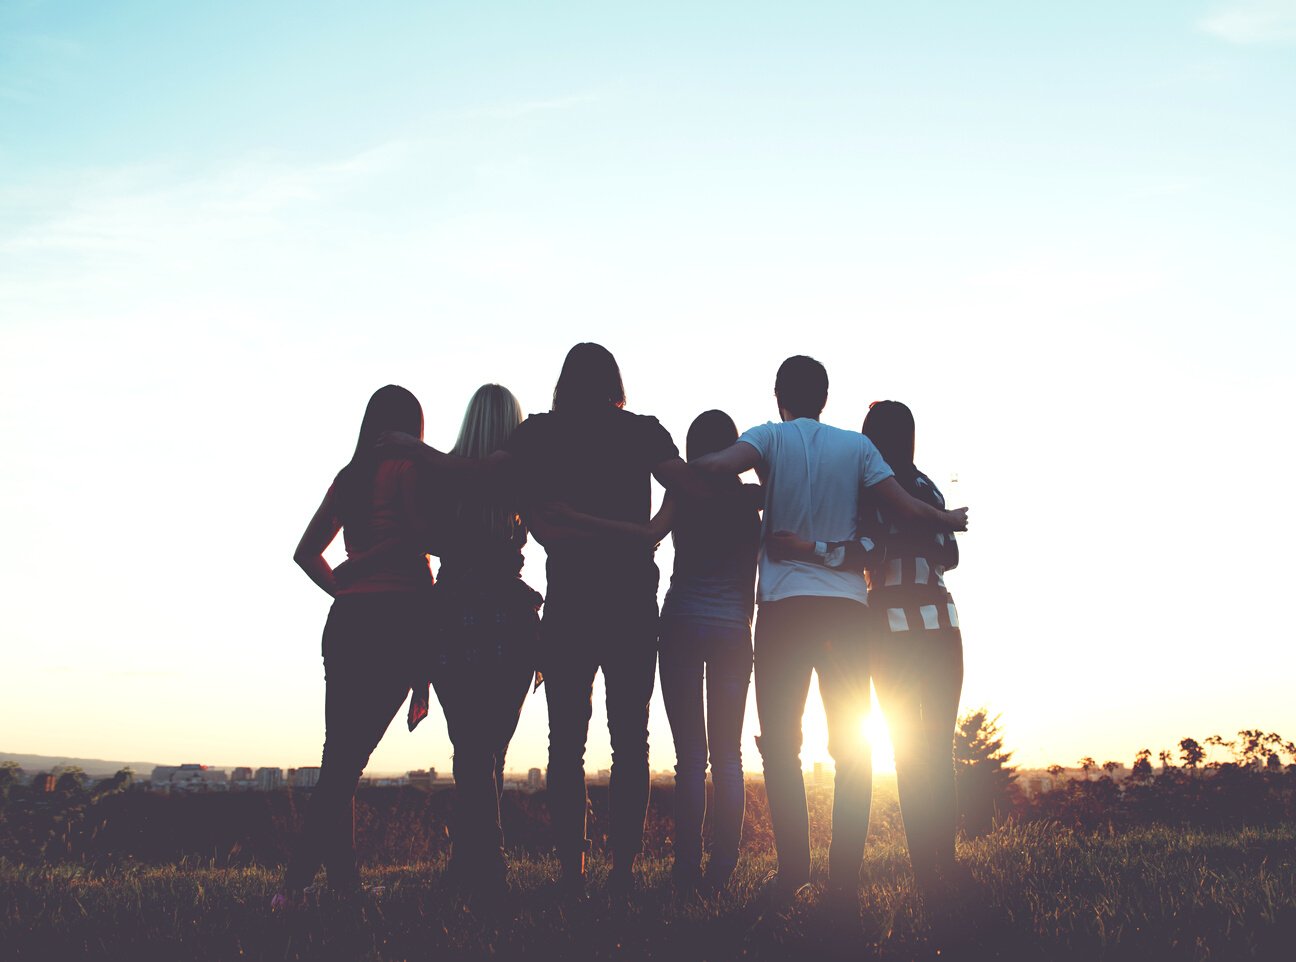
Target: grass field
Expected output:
[1031,892]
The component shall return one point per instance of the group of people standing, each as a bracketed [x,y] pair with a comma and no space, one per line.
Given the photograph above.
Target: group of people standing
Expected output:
[850,540]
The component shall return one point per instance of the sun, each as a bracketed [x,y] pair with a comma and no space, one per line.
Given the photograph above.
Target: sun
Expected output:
[814,724]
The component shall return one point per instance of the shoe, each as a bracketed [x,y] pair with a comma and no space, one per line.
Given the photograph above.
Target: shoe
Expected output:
[782,890]
[285,901]
[620,883]
[716,878]
[571,887]
[685,887]
[843,901]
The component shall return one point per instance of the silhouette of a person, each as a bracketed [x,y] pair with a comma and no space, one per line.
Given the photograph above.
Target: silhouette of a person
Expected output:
[488,632]
[375,628]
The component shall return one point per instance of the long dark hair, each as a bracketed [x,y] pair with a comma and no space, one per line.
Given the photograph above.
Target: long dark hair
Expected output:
[710,431]
[589,381]
[392,408]
[714,529]
[890,426]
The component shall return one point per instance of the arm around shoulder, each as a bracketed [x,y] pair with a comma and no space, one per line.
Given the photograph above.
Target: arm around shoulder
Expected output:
[909,508]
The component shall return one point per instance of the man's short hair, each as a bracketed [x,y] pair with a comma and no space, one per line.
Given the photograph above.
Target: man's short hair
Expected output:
[801,386]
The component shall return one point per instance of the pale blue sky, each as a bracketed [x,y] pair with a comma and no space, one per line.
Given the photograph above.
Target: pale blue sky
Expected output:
[1061,232]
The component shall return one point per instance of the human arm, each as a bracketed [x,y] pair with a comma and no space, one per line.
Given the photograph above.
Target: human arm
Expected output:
[411,447]
[416,540]
[908,508]
[844,555]
[651,532]
[735,459]
[319,534]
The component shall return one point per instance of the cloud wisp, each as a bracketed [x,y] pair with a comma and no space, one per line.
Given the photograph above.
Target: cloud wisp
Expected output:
[1253,22]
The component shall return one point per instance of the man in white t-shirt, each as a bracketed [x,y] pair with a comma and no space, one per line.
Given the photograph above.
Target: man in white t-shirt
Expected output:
[813,614]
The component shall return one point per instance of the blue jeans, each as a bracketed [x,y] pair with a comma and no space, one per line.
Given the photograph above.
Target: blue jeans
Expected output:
[693,653]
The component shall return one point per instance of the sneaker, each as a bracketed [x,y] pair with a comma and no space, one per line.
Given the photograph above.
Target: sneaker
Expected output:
[716,878]
[781,890]
[620,883]
[285,901]
[843,901]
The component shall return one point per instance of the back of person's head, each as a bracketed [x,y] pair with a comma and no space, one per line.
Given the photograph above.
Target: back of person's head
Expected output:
[493,415]
[710,431]
[391,408]
[890,426]
[590,380]
[801,387]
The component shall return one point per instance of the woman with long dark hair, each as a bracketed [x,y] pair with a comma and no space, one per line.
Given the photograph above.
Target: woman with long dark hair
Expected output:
[917,655]
[487,636]
[705,646]
[601,603]
[373,633]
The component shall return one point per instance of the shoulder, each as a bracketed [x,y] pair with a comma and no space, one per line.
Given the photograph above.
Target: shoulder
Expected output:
[645,426]
[535,427]
[763,432]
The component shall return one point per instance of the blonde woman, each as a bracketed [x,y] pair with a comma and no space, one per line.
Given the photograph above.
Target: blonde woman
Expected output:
[485,647]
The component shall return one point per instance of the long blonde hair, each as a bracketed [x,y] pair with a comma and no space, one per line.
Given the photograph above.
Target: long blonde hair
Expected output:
[493,414]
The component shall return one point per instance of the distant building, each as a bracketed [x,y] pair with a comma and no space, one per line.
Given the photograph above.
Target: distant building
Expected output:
[189,777]
[305,777]
[241,774]
[820,775]
[422,779]
[269,779]
[535,779]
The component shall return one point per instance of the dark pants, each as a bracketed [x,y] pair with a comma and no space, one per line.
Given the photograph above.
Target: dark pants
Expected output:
[795,636]
[919,676]
[695,655]
[580,635]
[369,645]
[481,701]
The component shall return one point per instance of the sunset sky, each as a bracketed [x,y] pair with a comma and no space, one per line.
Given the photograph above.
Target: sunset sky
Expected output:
[1064,234]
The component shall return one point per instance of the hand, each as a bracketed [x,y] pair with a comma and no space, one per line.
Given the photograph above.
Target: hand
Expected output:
[958,519]
[787,546]
[397,439]
[342,574]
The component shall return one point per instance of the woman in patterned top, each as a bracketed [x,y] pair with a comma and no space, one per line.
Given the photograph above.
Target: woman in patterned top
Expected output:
[917,656]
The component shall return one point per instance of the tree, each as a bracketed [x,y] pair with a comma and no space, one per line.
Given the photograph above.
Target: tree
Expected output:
[1087,765]
[1142,769]
[1111,768]
[1191,752]
[11,774]
[986,782]
[1165,757]
[1056,771]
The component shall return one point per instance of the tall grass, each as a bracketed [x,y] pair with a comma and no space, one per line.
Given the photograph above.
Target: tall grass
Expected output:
[1035,891]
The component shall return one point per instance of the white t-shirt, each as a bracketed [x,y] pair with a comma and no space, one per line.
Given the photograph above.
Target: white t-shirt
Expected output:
[814,475]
